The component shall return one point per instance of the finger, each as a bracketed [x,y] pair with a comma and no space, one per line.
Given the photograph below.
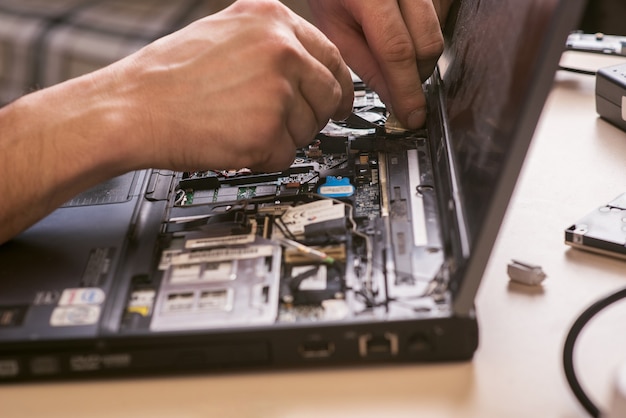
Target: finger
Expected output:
[334,68]
[356,51]
[302,122]
[278,159]
[392,46]
[424,27]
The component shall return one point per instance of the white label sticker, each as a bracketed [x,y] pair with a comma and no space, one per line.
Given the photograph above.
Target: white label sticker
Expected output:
[82,296]
[297,212]
[67,316]
[220,254]
[297,220]
[332,190]
[219,241]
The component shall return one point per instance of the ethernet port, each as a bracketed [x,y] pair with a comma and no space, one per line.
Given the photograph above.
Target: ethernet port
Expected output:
[378,346]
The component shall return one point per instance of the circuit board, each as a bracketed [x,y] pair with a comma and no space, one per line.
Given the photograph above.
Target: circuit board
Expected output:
[311,243]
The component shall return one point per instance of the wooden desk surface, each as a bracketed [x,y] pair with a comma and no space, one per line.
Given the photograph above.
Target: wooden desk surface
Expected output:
[576,163]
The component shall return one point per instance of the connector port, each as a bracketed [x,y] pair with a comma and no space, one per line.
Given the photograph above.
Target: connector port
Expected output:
[316,349]
[378,346]
[419,343]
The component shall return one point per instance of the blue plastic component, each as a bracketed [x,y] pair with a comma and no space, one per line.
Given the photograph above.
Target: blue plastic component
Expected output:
[336,187]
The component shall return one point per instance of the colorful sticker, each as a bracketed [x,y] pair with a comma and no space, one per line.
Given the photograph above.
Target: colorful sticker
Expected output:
[82,296]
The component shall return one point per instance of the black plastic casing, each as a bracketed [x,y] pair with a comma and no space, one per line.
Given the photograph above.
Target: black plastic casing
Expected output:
[611,94]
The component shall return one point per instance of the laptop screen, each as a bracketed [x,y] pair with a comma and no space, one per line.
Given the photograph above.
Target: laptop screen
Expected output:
[497,70]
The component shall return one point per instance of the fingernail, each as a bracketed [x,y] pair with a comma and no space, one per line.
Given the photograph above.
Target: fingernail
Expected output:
[416,118]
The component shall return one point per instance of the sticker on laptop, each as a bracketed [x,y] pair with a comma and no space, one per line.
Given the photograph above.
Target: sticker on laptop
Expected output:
[65,316]
[82,296]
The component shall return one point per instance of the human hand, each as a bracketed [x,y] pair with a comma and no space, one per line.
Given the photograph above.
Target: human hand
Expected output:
[392,44]
[242,88]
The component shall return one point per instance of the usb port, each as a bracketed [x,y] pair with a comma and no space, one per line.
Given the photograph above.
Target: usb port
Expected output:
[378,346]
[316,349]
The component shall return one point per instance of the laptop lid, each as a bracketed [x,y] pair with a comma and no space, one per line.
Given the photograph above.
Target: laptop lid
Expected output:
[496,73]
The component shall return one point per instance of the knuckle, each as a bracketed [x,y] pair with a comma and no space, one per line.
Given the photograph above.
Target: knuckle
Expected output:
[430,47]
[279,91]
[267,8]
[279,50]
[371,76]
[336,96]
[398,48]
[333,59]
[256,158]
[336,93]
[286,55]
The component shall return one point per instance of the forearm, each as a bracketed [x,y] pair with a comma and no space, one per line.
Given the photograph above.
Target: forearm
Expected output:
[55,143]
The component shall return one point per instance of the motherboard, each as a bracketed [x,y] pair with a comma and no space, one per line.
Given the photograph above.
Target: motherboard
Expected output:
[337,236]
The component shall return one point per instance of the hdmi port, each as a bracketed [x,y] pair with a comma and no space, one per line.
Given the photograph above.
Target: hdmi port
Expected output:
[316,349]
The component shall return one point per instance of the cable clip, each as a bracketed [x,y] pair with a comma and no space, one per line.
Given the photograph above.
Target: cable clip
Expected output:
[525,273]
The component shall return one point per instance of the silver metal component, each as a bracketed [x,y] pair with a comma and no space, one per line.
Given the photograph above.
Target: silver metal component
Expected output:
[525,273]
[578,234]
[383,179]
[420,237]
[219,287]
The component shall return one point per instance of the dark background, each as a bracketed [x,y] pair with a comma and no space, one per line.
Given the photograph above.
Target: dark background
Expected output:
[607,16]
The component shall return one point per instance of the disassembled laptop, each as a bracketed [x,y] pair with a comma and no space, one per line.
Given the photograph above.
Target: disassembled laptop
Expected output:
[370,247]
[312,243]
